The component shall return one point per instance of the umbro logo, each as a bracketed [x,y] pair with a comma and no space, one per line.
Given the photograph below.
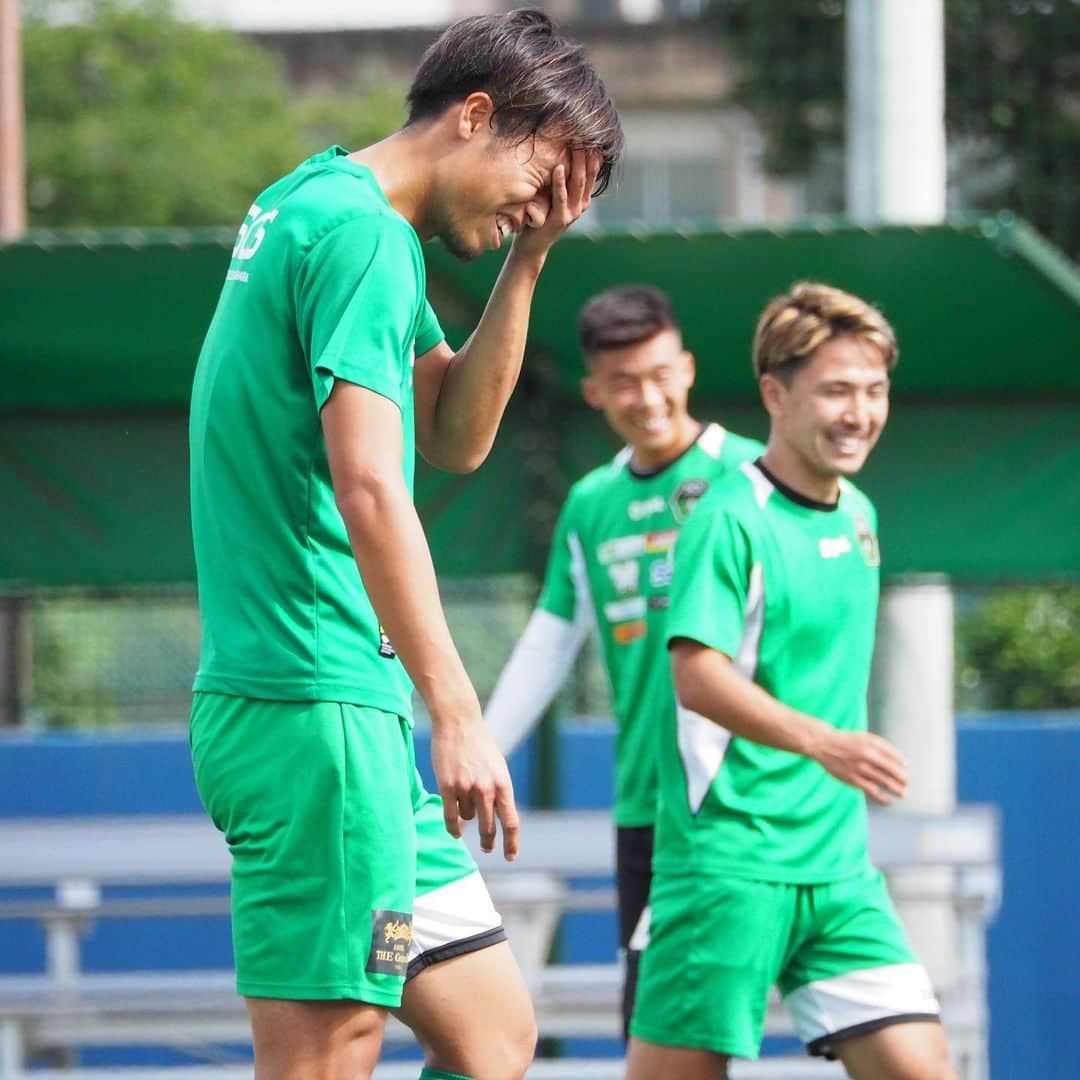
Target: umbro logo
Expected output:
[832,547]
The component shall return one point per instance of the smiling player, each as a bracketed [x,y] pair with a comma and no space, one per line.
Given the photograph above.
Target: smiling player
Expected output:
[323,367]
[610,563]
[761,867]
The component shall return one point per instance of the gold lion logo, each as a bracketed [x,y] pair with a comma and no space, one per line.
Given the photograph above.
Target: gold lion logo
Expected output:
[398,931]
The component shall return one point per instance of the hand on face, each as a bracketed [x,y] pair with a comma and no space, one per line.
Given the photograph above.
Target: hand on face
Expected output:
[548,216]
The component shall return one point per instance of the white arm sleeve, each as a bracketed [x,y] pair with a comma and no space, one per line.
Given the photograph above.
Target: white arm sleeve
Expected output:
[532,676]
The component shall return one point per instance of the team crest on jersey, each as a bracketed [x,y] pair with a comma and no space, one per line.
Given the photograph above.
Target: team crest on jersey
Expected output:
[686,496]
[391,936]
[868,543]
[386,650]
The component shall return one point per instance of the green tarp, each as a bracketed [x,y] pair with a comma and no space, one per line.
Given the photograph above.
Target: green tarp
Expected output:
[982,493]
[977,476]
[984,308]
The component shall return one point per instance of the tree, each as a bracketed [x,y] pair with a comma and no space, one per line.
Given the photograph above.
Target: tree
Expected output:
[1019,648]
[1012,109]
[136,117]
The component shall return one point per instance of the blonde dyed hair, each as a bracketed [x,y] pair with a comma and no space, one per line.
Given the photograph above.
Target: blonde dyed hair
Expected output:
[794,326]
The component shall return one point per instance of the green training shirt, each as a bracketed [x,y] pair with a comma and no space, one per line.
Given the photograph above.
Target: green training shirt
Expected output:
[326,282]
[610,563]
[789,591]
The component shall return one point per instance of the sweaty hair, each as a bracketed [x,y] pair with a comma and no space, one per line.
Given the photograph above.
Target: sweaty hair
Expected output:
[540,83]
[794,326]
[624,316]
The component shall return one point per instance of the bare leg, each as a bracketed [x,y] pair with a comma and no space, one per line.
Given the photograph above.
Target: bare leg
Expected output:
[915,1051]
[472,1015]
[315,1040]
[650,1061]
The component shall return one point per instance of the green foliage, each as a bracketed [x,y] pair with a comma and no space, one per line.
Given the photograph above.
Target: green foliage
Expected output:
[69,692]
[135,117]
[1019,648]
[1011,104]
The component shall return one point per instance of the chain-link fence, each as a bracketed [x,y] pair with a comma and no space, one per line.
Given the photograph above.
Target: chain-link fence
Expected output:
[125,659]
[93,660]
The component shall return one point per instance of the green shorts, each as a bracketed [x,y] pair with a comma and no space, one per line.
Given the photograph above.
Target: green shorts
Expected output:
[716,946]
[345,881]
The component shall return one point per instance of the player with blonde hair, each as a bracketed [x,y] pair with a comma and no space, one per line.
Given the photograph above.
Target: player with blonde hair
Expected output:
[761,871]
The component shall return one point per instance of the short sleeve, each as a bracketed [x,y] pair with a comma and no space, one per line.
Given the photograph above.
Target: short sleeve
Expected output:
[428,333]
[358,296]
[559,595]
[713,561]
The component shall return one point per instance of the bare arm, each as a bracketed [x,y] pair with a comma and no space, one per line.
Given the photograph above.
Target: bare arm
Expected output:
[364,447]
[708,683]
[461,397]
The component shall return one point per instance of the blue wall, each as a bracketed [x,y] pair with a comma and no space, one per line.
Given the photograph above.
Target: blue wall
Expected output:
[1028,766]
[1031,769]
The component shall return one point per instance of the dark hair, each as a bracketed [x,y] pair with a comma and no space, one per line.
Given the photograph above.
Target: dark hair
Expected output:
[540,82]
[624,316]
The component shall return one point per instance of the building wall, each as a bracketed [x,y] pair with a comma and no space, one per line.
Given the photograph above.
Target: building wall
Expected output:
[691,155]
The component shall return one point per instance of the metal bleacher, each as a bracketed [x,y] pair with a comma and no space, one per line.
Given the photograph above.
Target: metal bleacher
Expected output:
[565,865]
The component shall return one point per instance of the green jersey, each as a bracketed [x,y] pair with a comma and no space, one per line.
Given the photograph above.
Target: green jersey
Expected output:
[326,282]
[788,589]
[610,563]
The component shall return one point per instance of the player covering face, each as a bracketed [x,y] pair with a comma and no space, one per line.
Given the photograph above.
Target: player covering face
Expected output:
[761,872]
[323,370]
[609,570]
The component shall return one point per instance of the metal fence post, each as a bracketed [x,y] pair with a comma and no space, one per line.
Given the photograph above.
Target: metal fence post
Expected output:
[14,658]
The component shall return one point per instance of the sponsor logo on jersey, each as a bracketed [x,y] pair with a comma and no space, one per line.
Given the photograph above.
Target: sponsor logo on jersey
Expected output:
[631,547]
[624,633]
[686,496]
[251,235]
[659,603]
[625,576]
[391,936]
[660,572]
[386,650]
[832,547]
[620,610]
[642,508]
[868,543]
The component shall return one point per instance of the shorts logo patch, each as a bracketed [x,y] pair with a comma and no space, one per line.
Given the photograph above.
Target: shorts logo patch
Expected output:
[391,936]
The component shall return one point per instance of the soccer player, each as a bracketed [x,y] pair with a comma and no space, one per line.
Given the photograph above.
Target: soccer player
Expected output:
[761,867]
[610,564]
[353,893]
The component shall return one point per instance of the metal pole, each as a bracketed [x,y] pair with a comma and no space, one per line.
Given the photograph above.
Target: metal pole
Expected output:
[14,658]
[915,672]
[896,164]
[12,124]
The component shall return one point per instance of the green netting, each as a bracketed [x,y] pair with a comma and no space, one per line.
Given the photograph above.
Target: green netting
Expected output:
[107,324]
[983,309]
[103,500]
[94,491]
[980,492]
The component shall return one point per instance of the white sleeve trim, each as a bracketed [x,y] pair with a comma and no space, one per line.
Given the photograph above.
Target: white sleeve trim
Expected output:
[536,669]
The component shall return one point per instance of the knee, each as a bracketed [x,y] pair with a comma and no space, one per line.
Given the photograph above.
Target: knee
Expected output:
[926,1070]
[514,1050]
[500,1049]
